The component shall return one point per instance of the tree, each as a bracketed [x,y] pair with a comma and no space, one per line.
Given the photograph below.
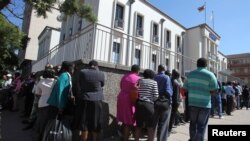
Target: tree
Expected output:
[68,7]
[11,38]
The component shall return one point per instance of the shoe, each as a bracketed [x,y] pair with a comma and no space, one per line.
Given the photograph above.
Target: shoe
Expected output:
[221,117]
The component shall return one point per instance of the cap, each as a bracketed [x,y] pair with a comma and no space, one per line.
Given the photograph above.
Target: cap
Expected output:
[9,75]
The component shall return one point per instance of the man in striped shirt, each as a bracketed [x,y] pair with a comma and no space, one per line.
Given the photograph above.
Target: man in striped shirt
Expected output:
[200,84]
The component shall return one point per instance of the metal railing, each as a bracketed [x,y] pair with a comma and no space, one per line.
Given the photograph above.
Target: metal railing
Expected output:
[96,42]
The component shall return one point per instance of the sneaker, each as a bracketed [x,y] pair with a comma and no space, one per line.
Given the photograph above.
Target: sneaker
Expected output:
[221,117]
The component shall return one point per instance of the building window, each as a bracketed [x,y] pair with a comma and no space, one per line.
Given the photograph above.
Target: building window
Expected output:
[168,39]
[153,63]
[80,25]
[70,31]
[137,60]
[178,43]
[167,62]
[119,16]
[178,65]
[116,52]
[139,26]
[155,33]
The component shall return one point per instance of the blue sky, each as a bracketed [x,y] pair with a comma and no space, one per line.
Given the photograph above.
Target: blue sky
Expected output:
[231,20]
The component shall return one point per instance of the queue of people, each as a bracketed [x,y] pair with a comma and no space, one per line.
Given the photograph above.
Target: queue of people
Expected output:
[149,102]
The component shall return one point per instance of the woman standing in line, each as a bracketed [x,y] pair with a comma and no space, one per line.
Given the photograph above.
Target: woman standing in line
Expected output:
[125,107]
[43,89]
[148,93]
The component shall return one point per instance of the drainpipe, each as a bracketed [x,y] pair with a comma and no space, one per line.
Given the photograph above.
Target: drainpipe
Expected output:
[182,52]
[129,20]
[161,44]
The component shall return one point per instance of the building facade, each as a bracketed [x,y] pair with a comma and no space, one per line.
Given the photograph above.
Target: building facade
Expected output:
[223,72]
[239,64]
[32,26]
[48,39]
[202,41]
[134,32]
[127,32]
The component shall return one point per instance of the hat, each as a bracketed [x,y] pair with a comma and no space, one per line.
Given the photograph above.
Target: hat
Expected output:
[9,75]
[49,66]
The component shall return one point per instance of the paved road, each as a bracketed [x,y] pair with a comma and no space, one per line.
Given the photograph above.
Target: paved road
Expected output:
[11,126]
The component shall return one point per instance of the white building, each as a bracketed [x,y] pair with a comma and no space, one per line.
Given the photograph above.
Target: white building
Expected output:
[48,39]
[223,72]
[134,32]
[202,41]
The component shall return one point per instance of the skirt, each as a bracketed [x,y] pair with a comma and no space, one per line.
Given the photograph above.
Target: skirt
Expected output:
[88,116]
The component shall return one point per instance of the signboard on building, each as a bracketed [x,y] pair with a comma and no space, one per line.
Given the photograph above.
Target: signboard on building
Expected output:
[212,36]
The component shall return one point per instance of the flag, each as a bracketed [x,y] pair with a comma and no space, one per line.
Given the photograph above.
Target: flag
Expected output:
[201,8]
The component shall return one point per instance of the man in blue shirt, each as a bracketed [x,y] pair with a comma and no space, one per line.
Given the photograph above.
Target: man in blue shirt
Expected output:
[162,118]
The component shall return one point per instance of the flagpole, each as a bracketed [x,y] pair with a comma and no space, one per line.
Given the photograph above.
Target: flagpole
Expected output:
[205,12]
[213,19]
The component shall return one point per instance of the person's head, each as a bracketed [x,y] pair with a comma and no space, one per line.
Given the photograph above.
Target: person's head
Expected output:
[48,73]
[161,68]
[67,67]
[148,74]
[168,73]
[223,83]
[49,66]
[93,64]
[175,74]
[17,74]
[8,76]
[202,63]
[135,68]
[183,78]
[4,77]
[229,83]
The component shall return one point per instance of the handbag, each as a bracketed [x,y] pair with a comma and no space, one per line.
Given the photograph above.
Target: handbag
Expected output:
[70,103]
[57,130]
[162,103]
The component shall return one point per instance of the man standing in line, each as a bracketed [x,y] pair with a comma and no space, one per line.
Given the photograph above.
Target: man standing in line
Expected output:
[200,84]
[162,118]
[88,118]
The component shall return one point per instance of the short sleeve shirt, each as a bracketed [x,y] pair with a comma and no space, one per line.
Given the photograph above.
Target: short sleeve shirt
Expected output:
[199,83]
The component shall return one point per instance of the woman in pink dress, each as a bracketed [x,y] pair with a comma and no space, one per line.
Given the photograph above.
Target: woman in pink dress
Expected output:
[125,107]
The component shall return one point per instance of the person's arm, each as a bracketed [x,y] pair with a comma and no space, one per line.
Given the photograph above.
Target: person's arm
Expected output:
[169,87]
[155,91]
[103,80]
[213,85]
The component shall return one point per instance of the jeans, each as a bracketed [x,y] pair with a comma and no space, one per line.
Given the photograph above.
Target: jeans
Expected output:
[198,122]
[161,123]
[237,101]
[216,104]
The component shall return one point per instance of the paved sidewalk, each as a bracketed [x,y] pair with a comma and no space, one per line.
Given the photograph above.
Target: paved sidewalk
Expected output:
[11,126]
[241,117]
